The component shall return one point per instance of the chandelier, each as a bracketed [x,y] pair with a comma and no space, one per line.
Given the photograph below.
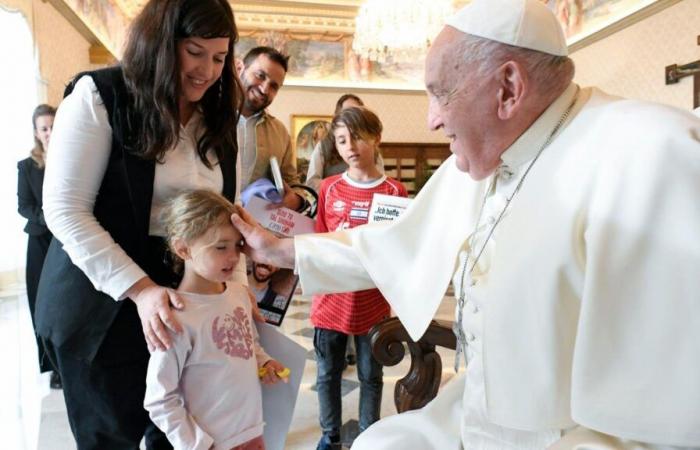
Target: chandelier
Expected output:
[387,30]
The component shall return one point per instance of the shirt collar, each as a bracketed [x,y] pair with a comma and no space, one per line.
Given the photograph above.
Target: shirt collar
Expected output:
[254,118]
[529,143]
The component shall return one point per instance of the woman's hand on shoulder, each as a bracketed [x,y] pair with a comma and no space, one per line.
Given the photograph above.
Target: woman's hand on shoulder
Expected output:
[154,304]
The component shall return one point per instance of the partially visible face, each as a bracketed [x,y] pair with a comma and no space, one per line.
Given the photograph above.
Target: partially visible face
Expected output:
[42,130]
[261,81]
[460,104]
[201,62]
[263,272]
[355,151]
[215,255]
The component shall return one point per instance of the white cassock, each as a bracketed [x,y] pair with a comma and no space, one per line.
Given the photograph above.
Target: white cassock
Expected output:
[584,309]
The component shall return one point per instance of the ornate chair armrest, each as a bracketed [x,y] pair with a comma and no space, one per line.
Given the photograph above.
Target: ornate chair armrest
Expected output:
[421,384]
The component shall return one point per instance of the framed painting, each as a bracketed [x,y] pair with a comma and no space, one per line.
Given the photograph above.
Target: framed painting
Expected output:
[587,21]
[307,131]
[328,61]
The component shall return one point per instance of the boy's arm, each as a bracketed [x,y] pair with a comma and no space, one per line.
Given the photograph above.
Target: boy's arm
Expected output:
[164,401]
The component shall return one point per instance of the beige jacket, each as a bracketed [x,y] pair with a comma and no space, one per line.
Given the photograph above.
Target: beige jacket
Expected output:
[272,139]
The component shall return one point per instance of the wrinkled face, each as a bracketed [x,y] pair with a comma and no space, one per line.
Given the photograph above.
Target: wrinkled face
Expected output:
[357,152]
[214,255]
[42,130]
[263,272]
[459,104]
[261,81]
[201,62]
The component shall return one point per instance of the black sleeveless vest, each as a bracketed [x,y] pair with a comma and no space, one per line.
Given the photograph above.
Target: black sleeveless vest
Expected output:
[70,312]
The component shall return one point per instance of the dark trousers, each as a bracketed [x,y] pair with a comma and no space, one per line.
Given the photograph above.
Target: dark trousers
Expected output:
[104,398]
[37,246]
[330,361]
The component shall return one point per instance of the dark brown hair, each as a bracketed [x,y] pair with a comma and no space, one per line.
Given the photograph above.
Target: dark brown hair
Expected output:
[330,154]
[343,98]
[362,124]
[151,69]
[38,153]
[272,53]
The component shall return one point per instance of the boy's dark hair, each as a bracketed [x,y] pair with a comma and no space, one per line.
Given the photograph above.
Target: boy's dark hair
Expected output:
[360,122]
[151,73]
[272,53]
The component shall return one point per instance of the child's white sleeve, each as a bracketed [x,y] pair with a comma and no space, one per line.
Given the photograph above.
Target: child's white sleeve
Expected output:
[164,401]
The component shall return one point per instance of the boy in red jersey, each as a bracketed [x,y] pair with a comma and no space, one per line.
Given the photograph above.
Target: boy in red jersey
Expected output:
[344,202]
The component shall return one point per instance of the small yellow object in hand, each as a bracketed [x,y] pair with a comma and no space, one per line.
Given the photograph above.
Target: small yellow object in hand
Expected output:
[284,373]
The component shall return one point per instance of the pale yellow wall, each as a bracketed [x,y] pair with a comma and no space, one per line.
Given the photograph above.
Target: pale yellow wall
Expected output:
[631,62]
[61,49]
[403,115]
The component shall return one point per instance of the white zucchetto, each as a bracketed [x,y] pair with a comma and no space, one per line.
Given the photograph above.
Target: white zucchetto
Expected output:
[521,23]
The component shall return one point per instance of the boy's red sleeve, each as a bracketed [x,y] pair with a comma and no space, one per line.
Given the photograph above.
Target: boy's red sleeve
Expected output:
[320,226]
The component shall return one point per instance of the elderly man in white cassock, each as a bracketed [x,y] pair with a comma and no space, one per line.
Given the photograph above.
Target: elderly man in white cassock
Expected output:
[569,223]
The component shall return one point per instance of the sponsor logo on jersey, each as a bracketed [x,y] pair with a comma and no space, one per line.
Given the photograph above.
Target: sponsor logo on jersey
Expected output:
[338,206]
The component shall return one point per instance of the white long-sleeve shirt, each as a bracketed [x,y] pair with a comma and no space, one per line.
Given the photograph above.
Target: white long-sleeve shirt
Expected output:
[204,392]
[76,162]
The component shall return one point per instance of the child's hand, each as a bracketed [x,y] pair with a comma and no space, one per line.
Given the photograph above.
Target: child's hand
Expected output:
[272,372]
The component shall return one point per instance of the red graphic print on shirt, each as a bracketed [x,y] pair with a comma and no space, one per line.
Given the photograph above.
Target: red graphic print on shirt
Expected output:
[234,336]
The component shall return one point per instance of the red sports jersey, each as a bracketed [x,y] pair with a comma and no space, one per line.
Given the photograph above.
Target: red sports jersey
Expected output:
[344,203]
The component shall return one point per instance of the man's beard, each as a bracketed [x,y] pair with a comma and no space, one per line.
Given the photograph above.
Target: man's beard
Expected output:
[265,278]
[255,106]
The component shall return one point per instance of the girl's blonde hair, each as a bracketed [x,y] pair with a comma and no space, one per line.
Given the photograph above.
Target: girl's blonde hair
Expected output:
[190,215]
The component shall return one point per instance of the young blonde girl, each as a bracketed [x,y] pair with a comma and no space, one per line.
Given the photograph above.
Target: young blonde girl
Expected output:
[204,392]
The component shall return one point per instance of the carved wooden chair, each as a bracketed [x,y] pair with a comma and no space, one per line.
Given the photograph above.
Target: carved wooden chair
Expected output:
[421,384]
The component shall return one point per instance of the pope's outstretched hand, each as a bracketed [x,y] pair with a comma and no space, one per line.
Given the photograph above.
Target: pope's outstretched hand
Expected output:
[261,245]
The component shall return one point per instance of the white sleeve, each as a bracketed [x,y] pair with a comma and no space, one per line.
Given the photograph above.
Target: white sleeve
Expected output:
[164,400]
[76,163]
[338,270]
[315,173]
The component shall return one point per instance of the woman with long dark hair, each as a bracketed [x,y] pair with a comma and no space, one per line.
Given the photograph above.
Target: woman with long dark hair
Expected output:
[126,140]
[30,180]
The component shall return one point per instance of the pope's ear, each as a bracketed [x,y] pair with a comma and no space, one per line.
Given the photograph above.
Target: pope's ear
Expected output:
[181,249]
[512,88]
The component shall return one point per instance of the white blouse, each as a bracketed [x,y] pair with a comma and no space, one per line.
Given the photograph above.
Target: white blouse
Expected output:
[76,163]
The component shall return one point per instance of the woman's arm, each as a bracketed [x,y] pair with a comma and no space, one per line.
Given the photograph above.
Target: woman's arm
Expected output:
[80,147]
[27,204]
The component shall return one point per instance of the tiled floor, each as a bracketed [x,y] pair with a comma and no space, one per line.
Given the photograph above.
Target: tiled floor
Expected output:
[29,427]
